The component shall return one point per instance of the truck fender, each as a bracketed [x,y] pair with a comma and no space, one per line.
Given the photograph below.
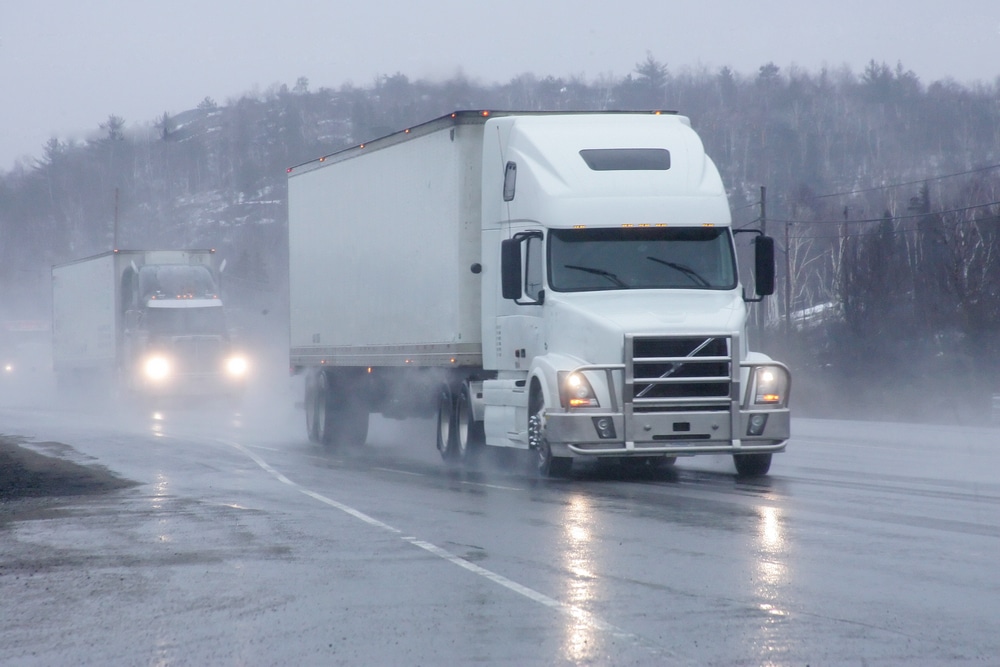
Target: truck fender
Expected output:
[544,375]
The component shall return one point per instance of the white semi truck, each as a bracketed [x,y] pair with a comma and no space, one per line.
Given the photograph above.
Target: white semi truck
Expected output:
[150,321]
[564,283]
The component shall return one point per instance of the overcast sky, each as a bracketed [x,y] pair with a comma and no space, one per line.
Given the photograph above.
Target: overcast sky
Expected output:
[66,65]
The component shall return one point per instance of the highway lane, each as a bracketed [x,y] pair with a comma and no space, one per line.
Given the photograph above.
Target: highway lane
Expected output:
[246,544]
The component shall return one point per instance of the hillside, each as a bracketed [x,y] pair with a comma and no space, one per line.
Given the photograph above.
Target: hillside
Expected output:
[882,191]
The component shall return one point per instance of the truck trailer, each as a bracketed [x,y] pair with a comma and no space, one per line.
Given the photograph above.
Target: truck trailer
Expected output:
[565,283]
[147,321]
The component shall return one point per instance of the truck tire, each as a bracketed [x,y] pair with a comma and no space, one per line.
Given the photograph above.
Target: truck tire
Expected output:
[340,419]
[545,464]
[446,424]
[470,435]
[752,465]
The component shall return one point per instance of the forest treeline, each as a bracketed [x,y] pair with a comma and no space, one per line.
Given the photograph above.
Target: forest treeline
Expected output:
[882,192]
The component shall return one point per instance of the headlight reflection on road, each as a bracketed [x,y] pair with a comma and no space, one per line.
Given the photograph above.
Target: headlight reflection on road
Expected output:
[580,642]
[161,491]
[771,565]
[157,426]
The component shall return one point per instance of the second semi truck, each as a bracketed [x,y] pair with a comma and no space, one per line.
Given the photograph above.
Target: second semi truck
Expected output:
[149,321]
[564,283]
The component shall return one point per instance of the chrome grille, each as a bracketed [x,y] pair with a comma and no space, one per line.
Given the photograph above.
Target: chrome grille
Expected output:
[679,372]
[199,354]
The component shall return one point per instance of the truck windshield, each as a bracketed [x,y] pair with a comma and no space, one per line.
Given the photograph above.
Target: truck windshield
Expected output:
[207,321]
[175,280]
[641,258]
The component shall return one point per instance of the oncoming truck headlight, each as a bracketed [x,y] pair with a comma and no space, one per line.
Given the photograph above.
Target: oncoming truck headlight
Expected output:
[157,368]
[575,391]
[236,366]
[769,386]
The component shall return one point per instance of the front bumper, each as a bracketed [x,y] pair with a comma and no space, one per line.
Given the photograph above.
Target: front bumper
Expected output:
[193,384]
[664,433]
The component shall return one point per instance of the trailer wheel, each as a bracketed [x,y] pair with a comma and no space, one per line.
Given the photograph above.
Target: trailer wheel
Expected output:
[312,412]
[752,465]
[545,465]
[340,419]
[470,435]
[445,424]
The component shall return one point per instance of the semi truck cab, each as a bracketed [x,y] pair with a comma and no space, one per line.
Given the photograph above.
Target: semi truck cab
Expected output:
[176,337]
[618,315]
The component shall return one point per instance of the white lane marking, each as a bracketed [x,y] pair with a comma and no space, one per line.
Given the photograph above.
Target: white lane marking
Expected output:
[493,486]
[467,483]
[400,472]
[577,614]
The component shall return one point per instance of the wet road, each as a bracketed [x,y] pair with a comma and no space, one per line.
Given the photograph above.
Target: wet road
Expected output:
[869,544]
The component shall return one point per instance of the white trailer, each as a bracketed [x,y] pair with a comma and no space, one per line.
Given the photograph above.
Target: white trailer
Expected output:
[149,320]
[564,283]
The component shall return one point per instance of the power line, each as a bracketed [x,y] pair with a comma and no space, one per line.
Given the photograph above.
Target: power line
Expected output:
[908,183]
[881,218]
[747,224]
[746,206]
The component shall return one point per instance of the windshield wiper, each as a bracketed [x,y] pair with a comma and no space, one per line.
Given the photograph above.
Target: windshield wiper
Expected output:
[686,270]
[598,272]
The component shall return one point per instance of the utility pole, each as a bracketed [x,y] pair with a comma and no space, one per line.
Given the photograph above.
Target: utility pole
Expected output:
[788,281]
[763,210]
[114,240]
[757,314]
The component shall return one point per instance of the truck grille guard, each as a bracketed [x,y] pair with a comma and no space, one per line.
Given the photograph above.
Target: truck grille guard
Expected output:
[198,355]
[674,374]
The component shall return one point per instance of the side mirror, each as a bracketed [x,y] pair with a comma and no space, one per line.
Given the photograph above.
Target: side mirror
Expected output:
[510,268]
[764,265]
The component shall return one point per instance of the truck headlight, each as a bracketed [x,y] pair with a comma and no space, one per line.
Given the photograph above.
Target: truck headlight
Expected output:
[157,368]
[236,366]
[575,391]
[769,386]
